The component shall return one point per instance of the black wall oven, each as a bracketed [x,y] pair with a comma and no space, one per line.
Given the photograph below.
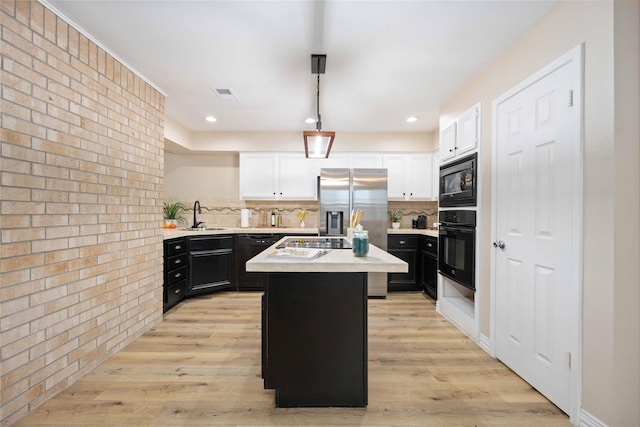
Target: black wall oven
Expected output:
[458,182]
[456,244]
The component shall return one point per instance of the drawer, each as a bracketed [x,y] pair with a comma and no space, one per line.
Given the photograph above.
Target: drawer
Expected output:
[210,243]
[175,262]
[175,246]
[175,293]
[430,245]
[176,275]
[402,241]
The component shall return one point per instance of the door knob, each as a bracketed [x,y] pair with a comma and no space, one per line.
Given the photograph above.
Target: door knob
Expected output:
[498,244]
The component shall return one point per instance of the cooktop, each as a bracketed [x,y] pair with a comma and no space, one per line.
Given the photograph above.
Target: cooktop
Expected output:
[315,242]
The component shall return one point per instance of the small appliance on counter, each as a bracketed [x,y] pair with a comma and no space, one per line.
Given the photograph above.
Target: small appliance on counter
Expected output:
[421,222]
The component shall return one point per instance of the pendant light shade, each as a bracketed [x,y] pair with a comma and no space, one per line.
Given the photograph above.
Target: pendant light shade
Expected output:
[317,144]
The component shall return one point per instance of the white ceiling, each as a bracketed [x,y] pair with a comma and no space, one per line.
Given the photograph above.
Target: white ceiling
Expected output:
[386,60]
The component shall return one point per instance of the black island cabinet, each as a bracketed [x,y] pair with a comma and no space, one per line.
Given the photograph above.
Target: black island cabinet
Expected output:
[314,338]
[314,324]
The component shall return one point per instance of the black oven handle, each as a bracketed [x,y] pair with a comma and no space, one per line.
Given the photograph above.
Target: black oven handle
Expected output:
[444,228]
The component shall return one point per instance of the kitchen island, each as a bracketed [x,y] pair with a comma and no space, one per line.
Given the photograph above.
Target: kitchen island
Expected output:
[314,325]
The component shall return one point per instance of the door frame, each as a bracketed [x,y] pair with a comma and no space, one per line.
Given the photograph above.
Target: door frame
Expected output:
[575,55]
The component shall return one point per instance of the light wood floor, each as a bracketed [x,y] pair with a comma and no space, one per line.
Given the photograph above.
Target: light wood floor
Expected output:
[201,367]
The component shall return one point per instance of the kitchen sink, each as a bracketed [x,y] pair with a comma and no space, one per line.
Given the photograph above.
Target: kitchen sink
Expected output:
[203,228]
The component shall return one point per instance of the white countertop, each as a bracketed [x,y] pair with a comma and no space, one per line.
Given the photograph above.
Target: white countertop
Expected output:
[172,233]
[180,232]
[334,261]
[432,233]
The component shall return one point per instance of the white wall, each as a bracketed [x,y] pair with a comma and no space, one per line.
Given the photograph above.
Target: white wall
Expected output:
[183,141]
[611,349]
[201,176]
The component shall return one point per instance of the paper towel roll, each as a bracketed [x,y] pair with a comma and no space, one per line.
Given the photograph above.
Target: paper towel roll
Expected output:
[245,214]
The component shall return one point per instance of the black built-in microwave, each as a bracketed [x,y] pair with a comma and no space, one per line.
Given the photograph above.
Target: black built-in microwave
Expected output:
[458,183]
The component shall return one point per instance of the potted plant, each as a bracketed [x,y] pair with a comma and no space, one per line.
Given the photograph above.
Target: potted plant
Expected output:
[396,216]
[173,214]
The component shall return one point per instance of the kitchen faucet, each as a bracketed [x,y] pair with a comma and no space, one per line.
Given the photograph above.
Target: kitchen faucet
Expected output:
[196,224]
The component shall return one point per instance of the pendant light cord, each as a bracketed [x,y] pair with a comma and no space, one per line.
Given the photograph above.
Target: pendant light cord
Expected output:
[318,123]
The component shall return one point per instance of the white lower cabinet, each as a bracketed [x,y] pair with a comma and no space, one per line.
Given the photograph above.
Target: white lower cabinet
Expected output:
[277,176]
[411,176]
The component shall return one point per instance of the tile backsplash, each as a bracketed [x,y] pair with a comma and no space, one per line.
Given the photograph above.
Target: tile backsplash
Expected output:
[217,213]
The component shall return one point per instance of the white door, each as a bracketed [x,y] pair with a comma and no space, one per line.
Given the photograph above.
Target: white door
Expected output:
[537,192]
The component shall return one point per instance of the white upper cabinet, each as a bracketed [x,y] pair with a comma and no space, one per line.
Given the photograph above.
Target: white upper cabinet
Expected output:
[297,177]
[340,161]
[350,161]
[461,136]
[448,142]
[291,176]
[277,176]
[468,134]
[258,176]
[411,176]
[365,161]
[396,176]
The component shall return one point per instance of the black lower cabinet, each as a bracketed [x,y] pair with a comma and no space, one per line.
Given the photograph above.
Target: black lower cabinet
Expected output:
[247,246]
[428,263]
[175,272]
[405,247]
[314,338]
[210,264]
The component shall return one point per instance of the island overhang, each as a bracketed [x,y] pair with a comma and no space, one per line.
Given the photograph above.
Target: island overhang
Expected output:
[333,261]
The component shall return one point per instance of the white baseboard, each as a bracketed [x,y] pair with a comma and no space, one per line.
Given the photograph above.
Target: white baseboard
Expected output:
[585,419]
[485,343]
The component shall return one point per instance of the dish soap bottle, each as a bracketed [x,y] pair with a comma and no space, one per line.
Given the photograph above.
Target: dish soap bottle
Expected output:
[360,241]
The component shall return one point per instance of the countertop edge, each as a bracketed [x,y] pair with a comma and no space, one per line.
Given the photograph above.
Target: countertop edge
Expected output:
[335,261]
[177,233]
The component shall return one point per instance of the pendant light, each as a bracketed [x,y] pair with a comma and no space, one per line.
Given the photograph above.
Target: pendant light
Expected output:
[317,144]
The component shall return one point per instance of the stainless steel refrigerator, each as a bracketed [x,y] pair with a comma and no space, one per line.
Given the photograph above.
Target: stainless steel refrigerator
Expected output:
[343,190]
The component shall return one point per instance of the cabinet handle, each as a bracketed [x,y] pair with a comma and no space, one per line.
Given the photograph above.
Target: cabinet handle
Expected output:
[451,150]
[177,247]
[402,242]
[430,245]
[177,291]
[177,275]
[178,261]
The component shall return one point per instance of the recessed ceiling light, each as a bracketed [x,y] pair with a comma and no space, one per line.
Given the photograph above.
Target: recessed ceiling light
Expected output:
[210,119]
[309,120]
[412,119]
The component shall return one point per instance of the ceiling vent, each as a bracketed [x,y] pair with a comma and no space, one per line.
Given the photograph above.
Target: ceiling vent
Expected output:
[225,94]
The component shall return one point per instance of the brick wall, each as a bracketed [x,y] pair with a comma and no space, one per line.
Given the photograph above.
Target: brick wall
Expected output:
[81,186]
